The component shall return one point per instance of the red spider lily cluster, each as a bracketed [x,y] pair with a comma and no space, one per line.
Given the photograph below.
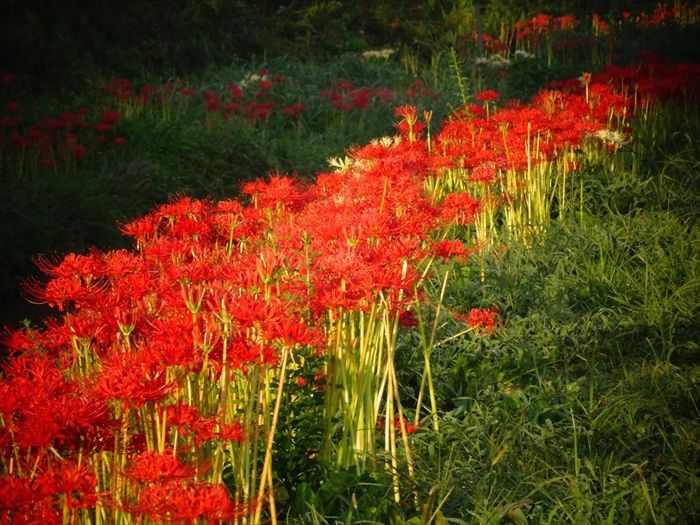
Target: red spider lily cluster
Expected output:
[28,144]
[557,34]
[257,97]
[653,79]
[525,152]
[142,381]
[556,119]
[168,363]
[481,320]
[52,142]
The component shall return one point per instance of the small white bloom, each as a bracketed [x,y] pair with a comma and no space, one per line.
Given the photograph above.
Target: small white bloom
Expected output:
[378,53]
[493,61]
[611,136]
[521,53]
[340,164]
[387,142]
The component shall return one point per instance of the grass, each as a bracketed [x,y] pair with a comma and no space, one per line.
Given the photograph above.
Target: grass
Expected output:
[583,408]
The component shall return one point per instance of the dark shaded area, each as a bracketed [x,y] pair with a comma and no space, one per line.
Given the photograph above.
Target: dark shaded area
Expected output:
[59,40]
[63,42]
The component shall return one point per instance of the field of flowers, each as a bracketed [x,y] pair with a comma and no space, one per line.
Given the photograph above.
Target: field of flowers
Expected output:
[479,309]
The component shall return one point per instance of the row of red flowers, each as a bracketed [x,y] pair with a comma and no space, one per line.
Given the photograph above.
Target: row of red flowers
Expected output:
[134,398]
[75,134]
[559,33]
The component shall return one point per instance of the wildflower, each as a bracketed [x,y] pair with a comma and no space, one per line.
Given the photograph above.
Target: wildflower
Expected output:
[408,319]
[235,91]
[294,110]
[481,321]
[409,127]
[212,101]
[18,494]
[494,61]
[613,137]
[488,95]
[485,173]
[411,428]
[265,85]
[79,151]
[188,502]
[378,53]
[260,110]
[151,466]
[460,208]
[446,249]
[110,117]
[522,54]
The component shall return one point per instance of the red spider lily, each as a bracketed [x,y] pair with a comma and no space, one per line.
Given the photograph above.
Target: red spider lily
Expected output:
[408,319]
[418,89]
[292,333]
[75,482]
[150,467]
[44,410]
[121,88]
[218,293]
[185,502]
[17,494]
[221,432]
[481,321]
[360,98]
[452,249]
[110,117]
[79,151]
[130,382]
[410,428]
[294,110]
[485,173]
[259,110]
[101,127]
[488,95]
[212,100]
[264,86]
[409,126]
[279,192]
[235,91]
[460,208]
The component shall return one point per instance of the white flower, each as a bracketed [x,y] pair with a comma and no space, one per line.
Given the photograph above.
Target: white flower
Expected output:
[378,53]
[387,142]
[493,61]
[611,136]
[341,164]
[521,53]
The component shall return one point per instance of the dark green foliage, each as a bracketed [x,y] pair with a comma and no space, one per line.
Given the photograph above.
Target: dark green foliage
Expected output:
[55,40]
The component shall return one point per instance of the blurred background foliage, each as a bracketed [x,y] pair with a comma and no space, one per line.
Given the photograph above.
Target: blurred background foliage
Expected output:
[67,41]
